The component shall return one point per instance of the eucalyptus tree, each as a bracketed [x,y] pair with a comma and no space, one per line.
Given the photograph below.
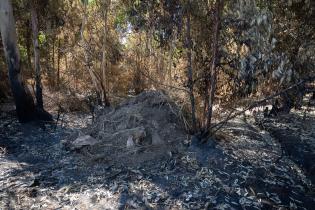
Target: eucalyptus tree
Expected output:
[266,46]
[38,82]
[25,107]
[23,100]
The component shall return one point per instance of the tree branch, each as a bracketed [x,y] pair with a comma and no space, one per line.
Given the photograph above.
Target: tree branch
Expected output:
[257,103]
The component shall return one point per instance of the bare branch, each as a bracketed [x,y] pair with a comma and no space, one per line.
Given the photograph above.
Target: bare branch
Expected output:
[257,103]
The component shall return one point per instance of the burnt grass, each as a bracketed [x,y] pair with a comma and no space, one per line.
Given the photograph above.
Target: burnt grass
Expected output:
[250,169]
[295,144]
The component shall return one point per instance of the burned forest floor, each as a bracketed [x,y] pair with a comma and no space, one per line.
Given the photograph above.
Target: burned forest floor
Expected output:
[141,158]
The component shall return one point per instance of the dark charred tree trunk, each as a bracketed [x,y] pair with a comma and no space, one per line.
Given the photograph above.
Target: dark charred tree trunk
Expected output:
[25,107]
[190,75]
[213,78]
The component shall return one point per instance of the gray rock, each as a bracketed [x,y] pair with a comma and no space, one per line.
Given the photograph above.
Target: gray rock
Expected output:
[130,142]
[156,139]
[83,141]
[137,134]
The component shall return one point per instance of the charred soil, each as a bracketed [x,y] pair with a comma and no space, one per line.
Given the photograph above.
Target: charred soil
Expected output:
[163,168]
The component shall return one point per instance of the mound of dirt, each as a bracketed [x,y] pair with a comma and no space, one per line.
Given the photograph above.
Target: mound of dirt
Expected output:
[140,130]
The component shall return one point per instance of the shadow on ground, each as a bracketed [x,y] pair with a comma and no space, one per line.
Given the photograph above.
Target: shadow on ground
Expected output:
[247,171]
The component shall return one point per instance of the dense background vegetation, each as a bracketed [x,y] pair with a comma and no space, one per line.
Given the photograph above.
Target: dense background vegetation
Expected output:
[204,51]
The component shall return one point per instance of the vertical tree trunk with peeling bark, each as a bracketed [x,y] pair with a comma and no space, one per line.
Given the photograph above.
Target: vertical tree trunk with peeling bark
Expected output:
[190,75]
[25,107]
[38,82]
[213,79]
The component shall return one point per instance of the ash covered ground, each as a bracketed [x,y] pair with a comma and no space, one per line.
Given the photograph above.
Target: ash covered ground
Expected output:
[140,157]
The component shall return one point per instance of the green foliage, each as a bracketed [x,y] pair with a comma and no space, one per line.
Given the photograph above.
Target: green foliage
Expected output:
[42,38]
[260,41]
[87,2]
[23,53]
[121,20]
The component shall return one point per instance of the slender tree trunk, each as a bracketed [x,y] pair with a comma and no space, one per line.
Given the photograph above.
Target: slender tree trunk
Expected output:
[217,15]
[38,83]
[93,76]
[66,62]
[104,60]
[58,65]
[137,74]
[206,99]
[53,63]
[48,66]
[190,75]
[170,60]
[28,45]
[25,107]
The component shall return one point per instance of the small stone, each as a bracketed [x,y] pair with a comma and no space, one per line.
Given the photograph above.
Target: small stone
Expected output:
[130,142]
[83,141]
[156,139]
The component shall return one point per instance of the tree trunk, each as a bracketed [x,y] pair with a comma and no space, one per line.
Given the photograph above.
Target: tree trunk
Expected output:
[190,75]
[25,107]
[66,62]
[104,62]
[95,81]
[137,74]
[58,65]
[218,7]
[170,59]
[53,63]
[28,44]
[38,82]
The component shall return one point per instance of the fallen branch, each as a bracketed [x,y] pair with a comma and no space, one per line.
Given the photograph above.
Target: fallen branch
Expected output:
[257,103]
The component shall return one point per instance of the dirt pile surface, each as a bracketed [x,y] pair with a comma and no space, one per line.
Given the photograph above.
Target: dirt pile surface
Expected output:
[141,129]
